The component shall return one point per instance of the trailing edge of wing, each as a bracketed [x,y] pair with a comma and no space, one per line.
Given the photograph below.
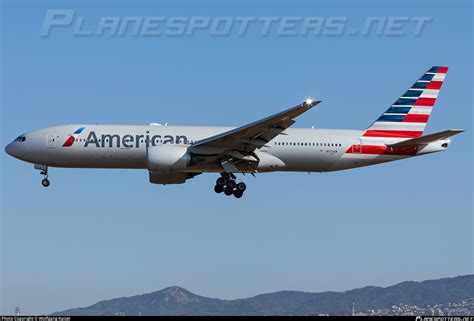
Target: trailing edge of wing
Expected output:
[426,139]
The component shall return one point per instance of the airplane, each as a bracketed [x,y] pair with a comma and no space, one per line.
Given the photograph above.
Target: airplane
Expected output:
[174,154]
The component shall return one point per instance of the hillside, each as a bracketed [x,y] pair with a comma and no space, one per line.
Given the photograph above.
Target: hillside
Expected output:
[178,301]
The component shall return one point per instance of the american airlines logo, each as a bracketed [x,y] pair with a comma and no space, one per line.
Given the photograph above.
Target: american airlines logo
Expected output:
[125,141]
[72,138]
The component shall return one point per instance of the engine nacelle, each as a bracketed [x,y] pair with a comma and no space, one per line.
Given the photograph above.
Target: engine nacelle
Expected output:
[167,158]
[269,163]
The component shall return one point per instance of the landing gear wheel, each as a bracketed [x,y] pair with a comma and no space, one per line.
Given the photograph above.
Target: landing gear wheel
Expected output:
[220,181]
[45,182]
[238,193]
[231,183]
[218,189]
[228,191]
[241,187]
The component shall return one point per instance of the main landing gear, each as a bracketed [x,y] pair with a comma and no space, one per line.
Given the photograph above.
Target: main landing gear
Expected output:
[227,184]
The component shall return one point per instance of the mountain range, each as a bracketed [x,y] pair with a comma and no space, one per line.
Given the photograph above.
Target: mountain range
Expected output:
[178,301]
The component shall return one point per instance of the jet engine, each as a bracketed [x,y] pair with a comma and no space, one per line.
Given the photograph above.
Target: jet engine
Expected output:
[167,158]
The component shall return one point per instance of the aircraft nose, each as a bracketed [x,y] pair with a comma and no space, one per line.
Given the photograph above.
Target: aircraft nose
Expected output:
[9,149]
[13,149]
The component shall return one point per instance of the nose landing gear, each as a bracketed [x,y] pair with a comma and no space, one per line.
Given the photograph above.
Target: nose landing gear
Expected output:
[45,182]
[44,171]
[227,184]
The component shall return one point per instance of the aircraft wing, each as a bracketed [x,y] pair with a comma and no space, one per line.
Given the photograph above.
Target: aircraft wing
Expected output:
[254,135]
[426,139]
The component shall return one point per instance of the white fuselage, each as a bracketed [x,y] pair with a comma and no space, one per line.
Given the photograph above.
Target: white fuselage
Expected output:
[125,146]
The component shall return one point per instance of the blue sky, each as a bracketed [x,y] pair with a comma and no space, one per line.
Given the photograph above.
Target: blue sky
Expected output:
[99,234]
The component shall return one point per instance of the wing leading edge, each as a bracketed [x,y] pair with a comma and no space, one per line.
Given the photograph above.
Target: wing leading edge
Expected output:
[254,135]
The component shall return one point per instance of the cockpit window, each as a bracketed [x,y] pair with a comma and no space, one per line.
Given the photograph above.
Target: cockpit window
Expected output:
[20,139]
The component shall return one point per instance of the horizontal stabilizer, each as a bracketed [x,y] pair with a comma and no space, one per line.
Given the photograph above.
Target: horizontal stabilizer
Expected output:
[426,139]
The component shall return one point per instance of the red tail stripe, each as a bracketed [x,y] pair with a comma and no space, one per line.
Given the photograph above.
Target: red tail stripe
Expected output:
[434,84]
[393,133]
[442,70]
[425,102]
[416,118]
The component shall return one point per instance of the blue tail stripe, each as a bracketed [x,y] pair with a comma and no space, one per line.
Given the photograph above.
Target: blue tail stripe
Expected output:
[391,118]
[413,93]
[398,110]
[427,77]
[420,85]
[403,101]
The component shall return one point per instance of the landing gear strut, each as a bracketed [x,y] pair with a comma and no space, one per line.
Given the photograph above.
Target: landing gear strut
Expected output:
[227,184]
[44,171]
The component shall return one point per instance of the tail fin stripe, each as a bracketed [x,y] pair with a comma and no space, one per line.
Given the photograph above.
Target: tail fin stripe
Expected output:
[412,93]
[405,102]
[438,77]
[434,84]
[429,93]
[393,133]
[397,126]
[416,118]
[428,77]
[420,110]
[425,102]
[401,110]
[421,84]
[442,70]
[390,118]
